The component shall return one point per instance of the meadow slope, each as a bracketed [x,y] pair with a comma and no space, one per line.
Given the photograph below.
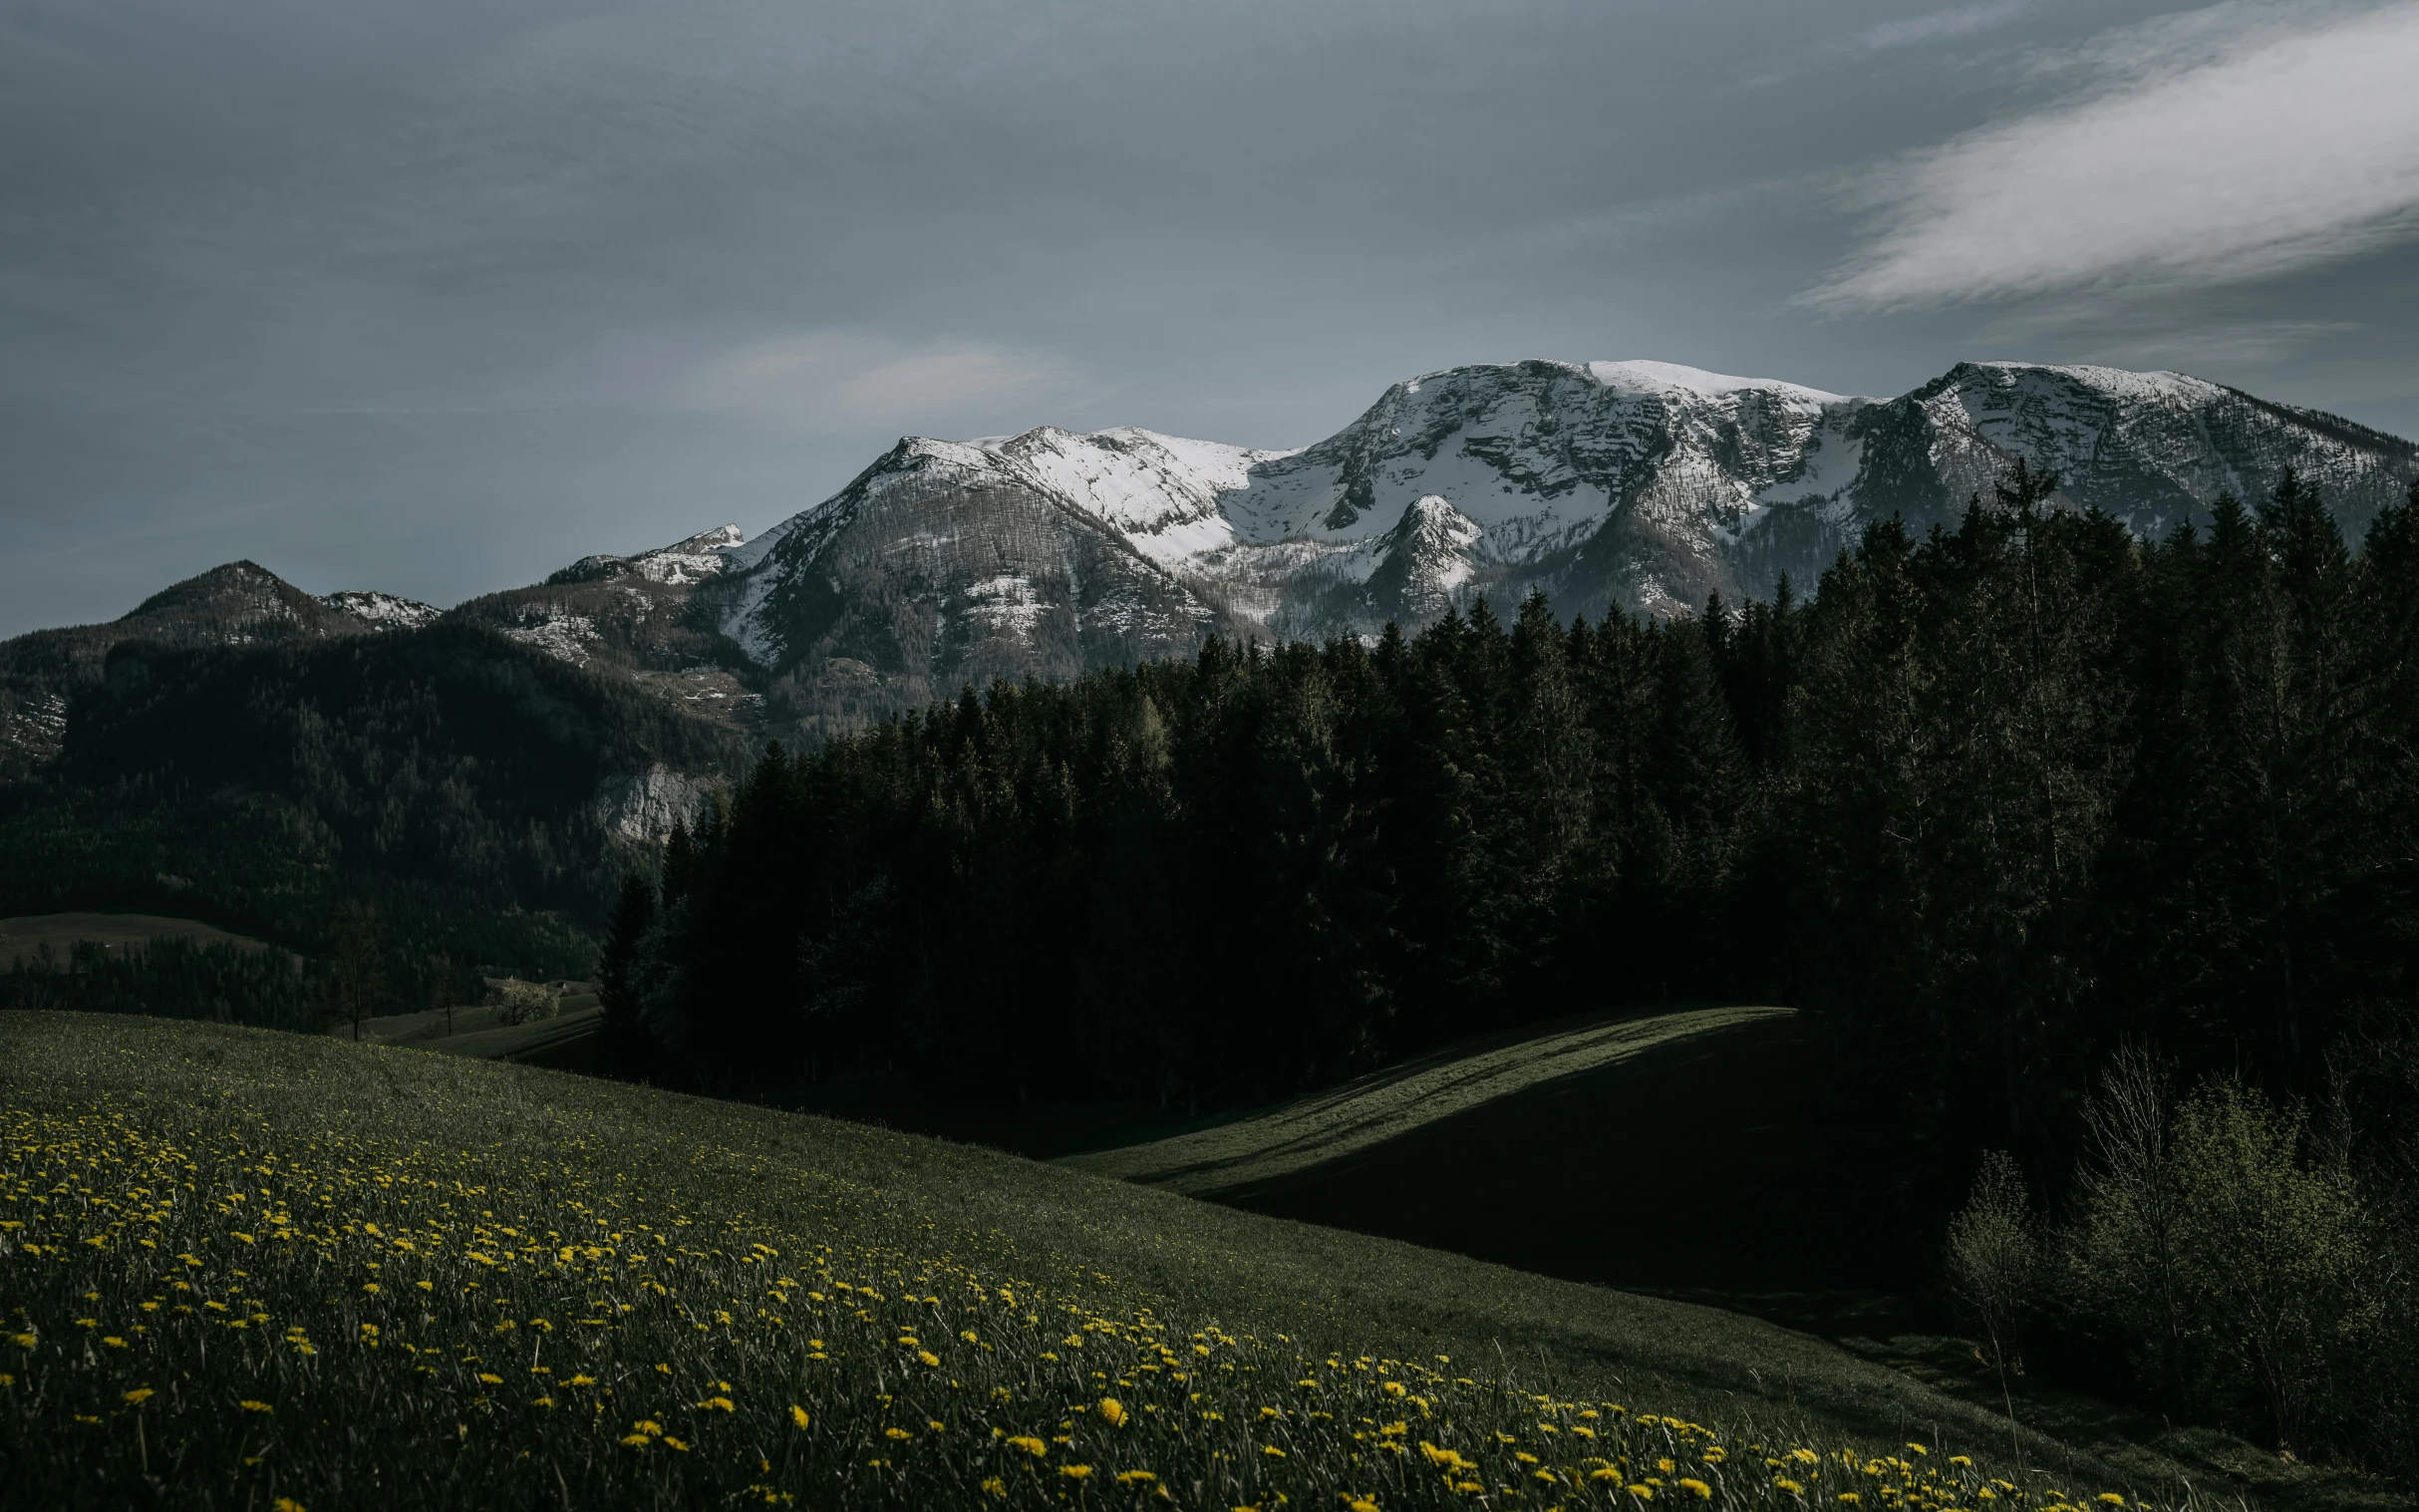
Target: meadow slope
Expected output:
[246,1269]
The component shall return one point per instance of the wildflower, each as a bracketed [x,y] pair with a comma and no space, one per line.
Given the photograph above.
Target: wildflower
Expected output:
[1135,1477]
[797,1414]
[1788,1485]
[255,1407]
[285,1504]
[928,1356]
[2109,1497]
[113,1342]
[896,1433]
[23,1341]
[1272,1451]
[1031,1446]
[489,1380]
[138,1395]
[1113,1411]
[583,1381]
[673,1443]
[995,1486]
[1075,1472]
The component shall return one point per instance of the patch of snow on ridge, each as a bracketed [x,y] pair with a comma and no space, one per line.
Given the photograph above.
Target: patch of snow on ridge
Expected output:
[1004,603]
[1667,377]
[2117,383]
[383,610]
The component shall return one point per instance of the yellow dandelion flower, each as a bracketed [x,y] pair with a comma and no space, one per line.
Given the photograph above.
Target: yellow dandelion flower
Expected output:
[255,1407]
[1272,1451]
[896,1433]
[23,1341]
[285,1504]
[995,1486]
[673,1443]
[797,1414]
[928,1356]
[138,1395]
[113,1342]
[491,1381]
[1031,1446]
[1075,1472]
[1113,1411]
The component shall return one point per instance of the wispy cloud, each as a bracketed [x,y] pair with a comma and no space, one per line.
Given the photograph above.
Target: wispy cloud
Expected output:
[839,380]
[2233,142]
[1933,26]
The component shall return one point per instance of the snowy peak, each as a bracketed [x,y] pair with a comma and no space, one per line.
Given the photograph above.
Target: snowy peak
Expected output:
[707,554]
[1424,560]
[1669,378]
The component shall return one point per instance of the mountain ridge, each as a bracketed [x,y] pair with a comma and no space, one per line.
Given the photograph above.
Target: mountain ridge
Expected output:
[1641,486]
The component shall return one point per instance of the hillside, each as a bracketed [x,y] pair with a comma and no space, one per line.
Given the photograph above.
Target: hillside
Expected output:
[1677,1093]
[411,1268]
[1349,1123]
[483,795]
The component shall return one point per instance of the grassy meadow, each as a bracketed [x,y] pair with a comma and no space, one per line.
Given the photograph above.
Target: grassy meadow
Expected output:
[249,1270]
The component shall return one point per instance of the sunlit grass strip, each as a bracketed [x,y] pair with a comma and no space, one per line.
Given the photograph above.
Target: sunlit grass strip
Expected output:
[262,1314]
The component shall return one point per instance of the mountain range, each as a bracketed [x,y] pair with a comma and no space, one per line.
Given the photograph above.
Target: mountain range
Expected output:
[1641,486]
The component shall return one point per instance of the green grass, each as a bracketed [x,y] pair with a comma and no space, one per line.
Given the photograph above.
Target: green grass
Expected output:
[1348,1120]
[243,1266]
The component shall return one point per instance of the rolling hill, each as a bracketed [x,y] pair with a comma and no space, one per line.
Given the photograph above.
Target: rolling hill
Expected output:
[1665,1098]
[427,1279]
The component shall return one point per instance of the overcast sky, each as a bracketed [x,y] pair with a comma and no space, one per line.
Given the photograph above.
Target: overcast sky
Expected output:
[438,296]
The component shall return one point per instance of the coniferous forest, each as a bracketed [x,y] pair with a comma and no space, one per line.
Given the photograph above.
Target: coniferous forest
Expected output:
[1990,803]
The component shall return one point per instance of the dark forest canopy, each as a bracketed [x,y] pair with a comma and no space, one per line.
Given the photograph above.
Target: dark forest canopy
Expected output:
[1990,803]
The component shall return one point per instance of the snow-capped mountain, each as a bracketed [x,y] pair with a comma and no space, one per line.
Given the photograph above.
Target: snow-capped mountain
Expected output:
[1637,486]
[1643,486]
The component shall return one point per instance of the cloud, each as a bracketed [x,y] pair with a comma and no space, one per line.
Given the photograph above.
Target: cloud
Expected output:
[1935,25]
[843,381]
[2232,144]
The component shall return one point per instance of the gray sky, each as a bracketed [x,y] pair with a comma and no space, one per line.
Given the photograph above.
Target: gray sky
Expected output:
[436,297]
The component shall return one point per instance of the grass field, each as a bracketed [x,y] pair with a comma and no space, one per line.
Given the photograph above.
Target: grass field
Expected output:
[24,934]
[245,1269]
